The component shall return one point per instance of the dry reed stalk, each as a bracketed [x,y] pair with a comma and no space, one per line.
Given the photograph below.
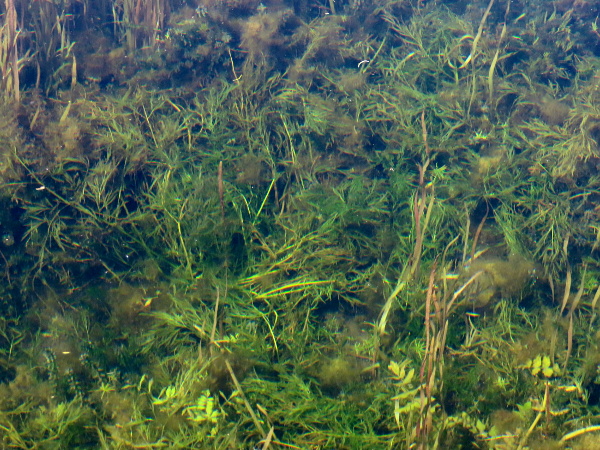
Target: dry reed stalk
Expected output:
[154,19]
[142,21]
[9,59]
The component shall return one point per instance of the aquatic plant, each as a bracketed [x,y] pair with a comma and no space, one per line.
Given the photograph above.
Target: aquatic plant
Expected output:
[331,225]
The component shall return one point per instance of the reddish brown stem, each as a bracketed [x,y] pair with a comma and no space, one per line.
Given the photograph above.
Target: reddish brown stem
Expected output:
[221,189]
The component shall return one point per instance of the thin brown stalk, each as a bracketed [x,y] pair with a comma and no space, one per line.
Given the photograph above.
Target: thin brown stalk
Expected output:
[422,217]
[431,372]
[567,290]
[595,300]
[221,189]
[552,290]
[74,73]
[424,131]
[593,306]
[579,294]
[253,415]
[466,235]
[428,303]
[547,409]
[477,234]
[572,309]
[213,331]
[421,210]
[428,369]
[569,341]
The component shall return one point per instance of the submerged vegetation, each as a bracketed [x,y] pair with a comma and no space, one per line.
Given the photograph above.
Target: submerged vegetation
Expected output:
[299,224]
